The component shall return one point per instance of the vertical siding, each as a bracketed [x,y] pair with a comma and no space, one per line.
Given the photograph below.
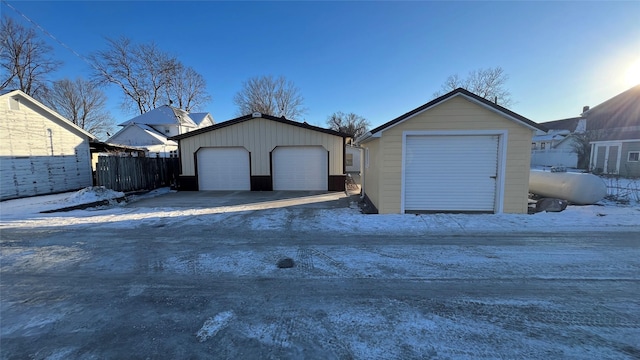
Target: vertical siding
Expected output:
[37,161]
[458,114]
[260,136]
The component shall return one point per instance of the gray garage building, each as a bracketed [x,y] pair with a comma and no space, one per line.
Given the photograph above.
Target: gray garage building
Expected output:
[262,153]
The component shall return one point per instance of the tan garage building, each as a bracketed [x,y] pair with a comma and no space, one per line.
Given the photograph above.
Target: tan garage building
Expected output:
[457,153]
[262,153]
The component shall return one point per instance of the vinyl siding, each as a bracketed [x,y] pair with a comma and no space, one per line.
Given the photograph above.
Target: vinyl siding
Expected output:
[458,114]
[260,136]
[629,168]
[39,153]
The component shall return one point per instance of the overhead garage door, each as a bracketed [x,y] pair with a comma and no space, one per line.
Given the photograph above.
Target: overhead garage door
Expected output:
[300,168]
[451,173]
[225,168]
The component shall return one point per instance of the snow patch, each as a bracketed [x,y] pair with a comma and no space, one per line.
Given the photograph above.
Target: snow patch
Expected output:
[213,325]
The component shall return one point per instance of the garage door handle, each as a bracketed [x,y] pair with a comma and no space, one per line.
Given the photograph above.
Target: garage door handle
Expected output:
[493,177]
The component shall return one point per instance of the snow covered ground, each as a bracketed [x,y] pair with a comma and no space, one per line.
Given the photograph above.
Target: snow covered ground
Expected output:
[124,280]
[607,214]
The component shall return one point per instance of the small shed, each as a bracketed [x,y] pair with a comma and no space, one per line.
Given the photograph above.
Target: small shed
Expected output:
[261,152]
[456,153]
[41,151]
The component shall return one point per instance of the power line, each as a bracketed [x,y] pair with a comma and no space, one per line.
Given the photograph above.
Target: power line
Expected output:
[44,31]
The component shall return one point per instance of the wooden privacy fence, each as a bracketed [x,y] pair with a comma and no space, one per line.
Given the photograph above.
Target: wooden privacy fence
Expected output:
[135,173]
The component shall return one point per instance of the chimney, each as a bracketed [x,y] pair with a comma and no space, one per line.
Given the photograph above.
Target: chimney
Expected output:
[585,108]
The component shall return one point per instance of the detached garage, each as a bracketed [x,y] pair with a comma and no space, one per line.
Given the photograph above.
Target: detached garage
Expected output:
[457,153]
[262,153]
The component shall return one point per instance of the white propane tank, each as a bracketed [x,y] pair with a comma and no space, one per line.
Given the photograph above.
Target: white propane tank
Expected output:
[578,188]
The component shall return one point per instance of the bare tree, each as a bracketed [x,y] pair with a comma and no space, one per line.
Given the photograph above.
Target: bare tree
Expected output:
[25,60]
[581,146]
[82,102]
[186,89]
[264,94]
[147,76]
[488,83]
[351,124]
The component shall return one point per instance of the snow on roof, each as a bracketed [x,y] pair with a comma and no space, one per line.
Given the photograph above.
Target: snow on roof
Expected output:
[198,117]
[149,130]
[163,115]
[548,137]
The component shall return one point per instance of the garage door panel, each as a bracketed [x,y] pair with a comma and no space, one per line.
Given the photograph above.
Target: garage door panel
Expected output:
[300,168]
[451,173]
[224,168]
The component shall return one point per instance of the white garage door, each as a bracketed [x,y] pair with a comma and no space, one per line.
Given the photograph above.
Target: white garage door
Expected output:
[451,173]
[300,168]
[224,169]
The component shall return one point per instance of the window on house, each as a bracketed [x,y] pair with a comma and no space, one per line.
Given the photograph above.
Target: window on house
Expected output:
[349,160]
[167,130]
[634,156]
[533,146]
[543,146]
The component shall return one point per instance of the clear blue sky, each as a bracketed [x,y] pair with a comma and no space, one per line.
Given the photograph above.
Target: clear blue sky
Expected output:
[376,59]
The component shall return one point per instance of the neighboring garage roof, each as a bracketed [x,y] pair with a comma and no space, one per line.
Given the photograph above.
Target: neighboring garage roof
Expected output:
[457,92]
[255,116]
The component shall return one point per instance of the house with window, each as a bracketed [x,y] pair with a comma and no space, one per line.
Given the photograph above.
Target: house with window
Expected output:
[614,127]
[556,146]
[353,159]
[151,131]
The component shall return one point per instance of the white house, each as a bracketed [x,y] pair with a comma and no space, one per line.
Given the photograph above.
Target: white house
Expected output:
[41,152]
[151,131]
[555,147]
[353,159]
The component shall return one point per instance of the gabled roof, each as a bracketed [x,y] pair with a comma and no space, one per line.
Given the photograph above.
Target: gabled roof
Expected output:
[564,124]
[163,115]
[621,111]
[450,95]
[57,116]
[147,130]
[249,117]
[198,118]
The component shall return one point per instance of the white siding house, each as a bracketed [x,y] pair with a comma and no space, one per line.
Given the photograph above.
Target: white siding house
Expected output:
[554,148]
[41,152]
[151,130]
[353,159]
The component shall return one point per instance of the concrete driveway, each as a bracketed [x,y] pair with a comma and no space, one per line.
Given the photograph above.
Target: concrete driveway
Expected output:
[249,200]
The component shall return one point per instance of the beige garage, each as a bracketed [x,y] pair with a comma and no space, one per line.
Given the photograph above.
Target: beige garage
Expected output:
[262,153]
[457,153]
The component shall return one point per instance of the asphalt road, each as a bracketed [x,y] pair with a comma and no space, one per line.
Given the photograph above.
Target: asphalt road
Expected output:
[215,292]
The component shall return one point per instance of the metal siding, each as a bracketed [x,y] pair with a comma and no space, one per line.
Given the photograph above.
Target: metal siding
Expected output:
[260,136]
